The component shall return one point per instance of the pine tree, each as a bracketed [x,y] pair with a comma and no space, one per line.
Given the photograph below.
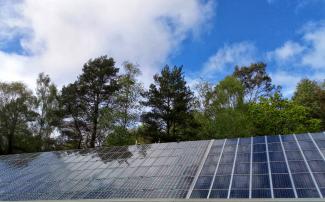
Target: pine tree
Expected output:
[170,101]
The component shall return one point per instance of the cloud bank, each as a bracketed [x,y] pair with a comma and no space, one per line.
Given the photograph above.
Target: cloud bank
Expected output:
[227,57]
[57,36]
[287,64]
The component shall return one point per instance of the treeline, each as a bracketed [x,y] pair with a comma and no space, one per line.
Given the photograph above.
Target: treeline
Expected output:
[106,107]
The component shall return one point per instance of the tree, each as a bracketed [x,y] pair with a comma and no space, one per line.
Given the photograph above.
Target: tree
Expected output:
[126,106]
[256,81]
[225,115]
[170,101]
[203,89]
[16,114]
[276,115]
[96,85]
[311,94]
[128,96]
[307,94]
[47,106]
[229,93]
[74,126]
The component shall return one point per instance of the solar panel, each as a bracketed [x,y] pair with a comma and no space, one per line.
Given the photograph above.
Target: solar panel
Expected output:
[143,171]
[281,166]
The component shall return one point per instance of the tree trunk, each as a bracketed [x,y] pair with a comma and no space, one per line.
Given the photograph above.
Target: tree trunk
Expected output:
[11,136]
[10,144]
[95,122]
[79,132]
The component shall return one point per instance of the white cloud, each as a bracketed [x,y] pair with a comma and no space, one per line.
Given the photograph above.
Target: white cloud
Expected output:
[287,52]
[287,81]
[309,52]
[315,57]
[242,53]
[303,59]
[60,36]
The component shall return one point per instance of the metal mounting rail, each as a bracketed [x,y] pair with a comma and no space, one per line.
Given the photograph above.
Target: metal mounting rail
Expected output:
[251,169]
[269,166]
[199,169]
[215,171]
[308,167]
[233,170]
[288,167]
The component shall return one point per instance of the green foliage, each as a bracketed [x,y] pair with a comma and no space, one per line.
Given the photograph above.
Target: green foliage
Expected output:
[256,81]
[103,107]
[73,112]
[311,94]
[16,115]
[120,136]
[96,85]
[225,113]
[229,93]
[126,99]
[276,115]
[170,100]
[125,110]
[47,106]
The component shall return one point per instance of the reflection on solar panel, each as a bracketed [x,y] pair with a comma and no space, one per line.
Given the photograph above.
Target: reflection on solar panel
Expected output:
[288,166]
[143,171]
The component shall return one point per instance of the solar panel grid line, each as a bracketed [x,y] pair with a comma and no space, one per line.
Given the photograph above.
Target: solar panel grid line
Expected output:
[199,169]
[320,152]
[169,177]
[289,170]
[308,167]
[251,169]
[215,172]
[269,167]
[233,169]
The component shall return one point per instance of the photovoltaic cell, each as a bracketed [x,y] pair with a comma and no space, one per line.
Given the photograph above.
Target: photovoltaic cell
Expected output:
[274,147]
[261,193]
[243,157]
[240,182]
[221,182]
[259,168]
[283,193]
[307,193]
[140,171]
[260,181]
[198,169]
[281,181]
[199,194]
[278,167]
[240,193]
[218,193]
[298,166]
[303,180]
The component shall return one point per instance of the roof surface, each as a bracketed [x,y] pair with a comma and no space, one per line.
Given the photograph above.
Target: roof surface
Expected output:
[288,166]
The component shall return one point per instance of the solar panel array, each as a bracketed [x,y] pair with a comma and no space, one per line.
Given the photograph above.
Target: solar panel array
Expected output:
[144,171]
[288,166]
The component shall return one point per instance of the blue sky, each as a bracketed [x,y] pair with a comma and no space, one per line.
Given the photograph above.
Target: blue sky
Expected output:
[207,37]
[267,26]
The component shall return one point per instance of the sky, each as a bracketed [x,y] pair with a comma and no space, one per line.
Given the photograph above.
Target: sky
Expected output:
[208,37]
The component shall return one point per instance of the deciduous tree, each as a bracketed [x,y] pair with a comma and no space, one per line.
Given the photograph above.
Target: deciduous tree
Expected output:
[17,112]
[256,81]
[47,106]
[277,115]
